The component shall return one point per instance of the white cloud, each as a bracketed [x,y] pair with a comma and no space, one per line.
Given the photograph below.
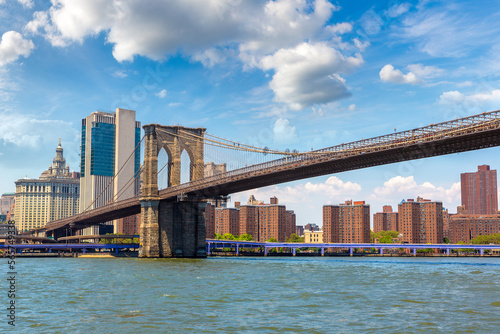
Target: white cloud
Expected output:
[26,3]
[371,22]
[284,132]
[426,72]
[398,9]
[416,74]
[474,102]
[449,29]
[308,74]
[120,74]
[161,94]
[339,28]
[12,46]
[351,107]
[209,57]
[158,28]
[257,32]
[24,131]
[399,187]
[389,74]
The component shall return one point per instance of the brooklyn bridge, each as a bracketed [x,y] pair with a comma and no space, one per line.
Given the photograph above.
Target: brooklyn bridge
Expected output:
[172,221]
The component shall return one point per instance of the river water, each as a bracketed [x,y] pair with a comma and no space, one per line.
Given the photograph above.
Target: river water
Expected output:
[256,295]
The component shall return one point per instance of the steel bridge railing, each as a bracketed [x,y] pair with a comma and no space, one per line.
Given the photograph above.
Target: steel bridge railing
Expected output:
[433,132]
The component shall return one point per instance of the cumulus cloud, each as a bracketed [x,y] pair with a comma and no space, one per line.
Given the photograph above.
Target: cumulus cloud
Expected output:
[309,74]
[158,28]
[162,93]
[389,74]
[333,189]
[284,132]
[260,33]
[12,46]
[416,74]
[339,28]
[474,102]
[399,187]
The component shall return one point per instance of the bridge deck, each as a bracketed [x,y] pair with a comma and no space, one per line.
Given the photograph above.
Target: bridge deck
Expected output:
[460,135]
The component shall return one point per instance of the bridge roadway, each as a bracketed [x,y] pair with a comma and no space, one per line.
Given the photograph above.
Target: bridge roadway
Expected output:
[460,135]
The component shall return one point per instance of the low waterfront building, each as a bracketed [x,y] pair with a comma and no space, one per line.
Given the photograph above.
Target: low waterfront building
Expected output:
[313,237]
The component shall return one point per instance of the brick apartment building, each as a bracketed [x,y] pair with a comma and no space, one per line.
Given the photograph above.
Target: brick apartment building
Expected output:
[261,221]
[227,220]
[466,227]
[479,191]
[347,222]
[421,221]
[385,220]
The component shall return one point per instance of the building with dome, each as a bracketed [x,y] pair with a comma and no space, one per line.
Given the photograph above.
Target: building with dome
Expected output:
[54,195]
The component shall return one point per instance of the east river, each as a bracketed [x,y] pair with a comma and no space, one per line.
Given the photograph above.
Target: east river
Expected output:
[255,295]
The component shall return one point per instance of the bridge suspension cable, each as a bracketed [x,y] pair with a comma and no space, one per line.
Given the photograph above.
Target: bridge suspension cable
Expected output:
[114,176]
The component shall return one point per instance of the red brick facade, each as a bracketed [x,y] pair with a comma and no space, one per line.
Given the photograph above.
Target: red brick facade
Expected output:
[346,223]
[479,191]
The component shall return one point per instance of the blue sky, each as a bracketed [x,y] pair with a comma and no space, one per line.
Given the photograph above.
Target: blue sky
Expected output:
[283,74]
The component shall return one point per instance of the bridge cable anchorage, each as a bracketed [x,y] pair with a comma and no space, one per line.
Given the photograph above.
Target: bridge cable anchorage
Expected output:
[113,178]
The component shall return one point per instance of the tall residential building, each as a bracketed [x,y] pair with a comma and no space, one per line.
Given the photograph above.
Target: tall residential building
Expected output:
[53,196]
[210,220]
[110,160]
[421,221]
[385,220]
[291,223]
[347,222]
[227,220]
[272,222]
[479,191]
[249,220]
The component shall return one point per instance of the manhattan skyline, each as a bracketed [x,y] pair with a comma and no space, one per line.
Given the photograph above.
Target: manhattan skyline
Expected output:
[282,74]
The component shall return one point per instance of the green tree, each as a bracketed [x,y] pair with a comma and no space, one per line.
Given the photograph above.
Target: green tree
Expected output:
[245,237]
[486,239]
[218,236]
[272,240]
[386,239]
[294,238]
[228,236]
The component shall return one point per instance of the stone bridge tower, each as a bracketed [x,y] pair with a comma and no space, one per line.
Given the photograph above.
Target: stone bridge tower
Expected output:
[171,228]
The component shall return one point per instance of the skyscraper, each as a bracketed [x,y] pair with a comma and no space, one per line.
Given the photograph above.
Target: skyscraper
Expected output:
[109,164]
[479,191]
